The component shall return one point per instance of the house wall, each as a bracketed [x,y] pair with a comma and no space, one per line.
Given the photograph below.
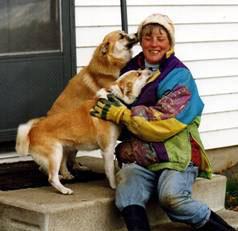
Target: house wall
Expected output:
[206,41]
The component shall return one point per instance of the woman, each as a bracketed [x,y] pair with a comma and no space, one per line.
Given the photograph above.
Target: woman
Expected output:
[163,152]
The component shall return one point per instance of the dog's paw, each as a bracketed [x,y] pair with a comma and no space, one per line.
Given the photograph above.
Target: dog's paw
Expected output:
[113,185]
[68,177]
[67,191]
[61,177]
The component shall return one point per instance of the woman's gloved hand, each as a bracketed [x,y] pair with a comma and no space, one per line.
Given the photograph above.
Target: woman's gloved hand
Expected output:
[109,109]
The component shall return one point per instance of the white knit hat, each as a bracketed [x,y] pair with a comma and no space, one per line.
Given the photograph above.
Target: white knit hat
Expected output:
[159,19]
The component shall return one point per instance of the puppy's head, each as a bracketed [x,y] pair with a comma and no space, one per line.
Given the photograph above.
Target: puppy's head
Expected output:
[128,86]
[116,47]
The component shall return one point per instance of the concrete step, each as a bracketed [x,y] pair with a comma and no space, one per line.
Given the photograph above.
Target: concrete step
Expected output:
[203,190]
[90,208]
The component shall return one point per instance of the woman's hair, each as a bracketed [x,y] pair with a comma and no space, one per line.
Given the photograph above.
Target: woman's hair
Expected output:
[148,29]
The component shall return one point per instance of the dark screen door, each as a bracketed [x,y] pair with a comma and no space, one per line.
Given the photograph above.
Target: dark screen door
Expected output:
[37,58]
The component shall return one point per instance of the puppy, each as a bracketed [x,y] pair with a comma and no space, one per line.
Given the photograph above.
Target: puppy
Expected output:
[103,69]
[45,138]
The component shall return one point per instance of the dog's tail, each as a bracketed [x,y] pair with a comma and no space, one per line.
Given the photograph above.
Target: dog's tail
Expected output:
[22,140]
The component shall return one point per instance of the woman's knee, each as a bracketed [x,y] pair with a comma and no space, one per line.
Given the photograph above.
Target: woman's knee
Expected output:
[171,200]
[173,196]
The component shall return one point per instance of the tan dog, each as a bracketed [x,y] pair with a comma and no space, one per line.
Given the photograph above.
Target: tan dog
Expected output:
[103,69]
[45,138]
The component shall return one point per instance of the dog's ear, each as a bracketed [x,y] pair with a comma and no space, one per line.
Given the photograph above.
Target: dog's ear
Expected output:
[105,48]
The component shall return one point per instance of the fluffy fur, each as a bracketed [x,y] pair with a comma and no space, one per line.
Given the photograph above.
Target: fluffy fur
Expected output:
[103,69]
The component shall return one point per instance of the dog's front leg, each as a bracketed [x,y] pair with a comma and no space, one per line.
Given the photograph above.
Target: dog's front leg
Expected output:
[109,165]
[107,142]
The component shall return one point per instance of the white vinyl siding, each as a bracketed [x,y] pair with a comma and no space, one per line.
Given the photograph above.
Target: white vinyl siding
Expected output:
[206,41]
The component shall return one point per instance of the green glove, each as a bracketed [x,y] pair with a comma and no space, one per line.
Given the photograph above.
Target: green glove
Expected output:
[109,109]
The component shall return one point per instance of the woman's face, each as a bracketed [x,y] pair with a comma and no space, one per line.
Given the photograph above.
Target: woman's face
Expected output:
[155,43]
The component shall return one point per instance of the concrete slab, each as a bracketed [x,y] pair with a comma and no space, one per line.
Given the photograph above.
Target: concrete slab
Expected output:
[203,190]
[90,208]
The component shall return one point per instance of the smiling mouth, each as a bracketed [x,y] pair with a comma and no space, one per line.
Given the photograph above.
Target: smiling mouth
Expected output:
[154,52]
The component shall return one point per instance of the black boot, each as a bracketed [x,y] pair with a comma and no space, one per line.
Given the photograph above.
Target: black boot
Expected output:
[135,218]
[216,223]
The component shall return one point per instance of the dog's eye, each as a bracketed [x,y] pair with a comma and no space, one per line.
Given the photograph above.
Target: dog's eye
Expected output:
[138,74]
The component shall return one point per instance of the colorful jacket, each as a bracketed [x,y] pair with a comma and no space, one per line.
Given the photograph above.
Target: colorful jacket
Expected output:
[163,119]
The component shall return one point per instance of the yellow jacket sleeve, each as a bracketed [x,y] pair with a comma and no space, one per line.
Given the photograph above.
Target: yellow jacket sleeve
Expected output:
[155,130]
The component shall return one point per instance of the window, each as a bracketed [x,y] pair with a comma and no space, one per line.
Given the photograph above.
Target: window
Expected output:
[29,26]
